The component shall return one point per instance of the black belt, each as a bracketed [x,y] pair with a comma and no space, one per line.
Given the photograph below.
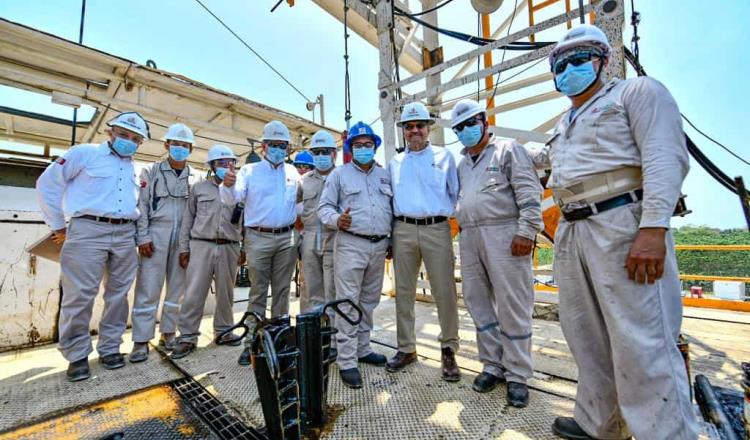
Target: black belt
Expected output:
[114,221]
[422,221]
[614,202]
[216,240]
[370,238]
[272,230]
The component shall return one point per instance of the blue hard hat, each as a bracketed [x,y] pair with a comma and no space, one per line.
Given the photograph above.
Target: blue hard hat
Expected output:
[304,158]
[361,129]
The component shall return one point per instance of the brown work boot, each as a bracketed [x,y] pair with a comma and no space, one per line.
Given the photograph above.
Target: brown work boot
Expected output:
[399,361]
[450,368]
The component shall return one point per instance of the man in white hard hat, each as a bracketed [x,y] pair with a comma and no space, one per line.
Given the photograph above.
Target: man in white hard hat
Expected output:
[356,201]
[317,241]
[499,212]
[618,159]
[210,250]
[96,187]
[425,189]
[269,191]
[165,187]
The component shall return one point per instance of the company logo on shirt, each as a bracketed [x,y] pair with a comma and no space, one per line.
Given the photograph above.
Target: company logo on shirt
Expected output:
[384,181]
[60,160]
[493,168]
[144,184]
[603,108]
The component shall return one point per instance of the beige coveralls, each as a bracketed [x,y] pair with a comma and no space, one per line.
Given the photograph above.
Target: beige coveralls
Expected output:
[359,262]
[205,220]
[317,245]
[631,376]
[162,202]
[500,197]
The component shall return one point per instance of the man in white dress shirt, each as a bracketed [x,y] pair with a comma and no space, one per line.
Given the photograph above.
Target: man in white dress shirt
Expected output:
[269,191]
[97,187]
[425,188]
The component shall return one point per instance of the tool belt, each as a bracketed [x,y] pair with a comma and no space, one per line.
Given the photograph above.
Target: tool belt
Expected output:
[370,238]
[216,240]
[596,208]
[114,221]
[600,187]
[422,221]
[272,230]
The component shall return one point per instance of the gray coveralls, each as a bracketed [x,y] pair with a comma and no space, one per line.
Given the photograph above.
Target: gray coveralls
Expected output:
[359,261]
[631,377]
[162,202]
[317,245]
[500,197]
[214,246]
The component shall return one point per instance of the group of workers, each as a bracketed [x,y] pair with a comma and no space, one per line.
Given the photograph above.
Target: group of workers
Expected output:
[617,160]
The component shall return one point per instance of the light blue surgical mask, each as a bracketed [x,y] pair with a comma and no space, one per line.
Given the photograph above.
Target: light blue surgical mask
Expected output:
[124,147]
[363,155]
[576,79]
[221,172]
[178,153]
[470,136]
[323,162]
[275,155]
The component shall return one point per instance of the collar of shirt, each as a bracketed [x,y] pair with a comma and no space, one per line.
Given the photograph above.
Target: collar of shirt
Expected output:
[357,167]
[428,147]
[481,155]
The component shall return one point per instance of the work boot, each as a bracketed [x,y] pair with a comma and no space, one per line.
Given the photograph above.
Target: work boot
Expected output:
[139,353]
[230,339]
[486,382]
[450,368]
[351,377]
[373,358]
[518,395]
[168,341]
[567,427]
[399,361]
[78,370]
[245,357]
[182,349]
[112,361]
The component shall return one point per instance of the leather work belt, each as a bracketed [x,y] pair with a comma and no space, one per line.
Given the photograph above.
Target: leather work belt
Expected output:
[271,230]
[370,238]
[605,205]
[422,221]
[216,240]
[114,221]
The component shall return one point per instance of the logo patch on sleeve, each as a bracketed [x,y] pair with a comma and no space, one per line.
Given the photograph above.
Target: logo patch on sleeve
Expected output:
[60,160]
[144,184]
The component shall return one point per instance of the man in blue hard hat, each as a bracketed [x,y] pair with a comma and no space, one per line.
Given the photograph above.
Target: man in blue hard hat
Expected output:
[303,161]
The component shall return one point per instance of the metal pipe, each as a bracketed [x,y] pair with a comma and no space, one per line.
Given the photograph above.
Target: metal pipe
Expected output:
[488,80]
[711,408]
[80,41]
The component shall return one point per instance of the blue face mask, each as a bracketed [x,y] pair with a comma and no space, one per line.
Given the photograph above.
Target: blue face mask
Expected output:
[178,153]
[275,155]
[220,172]
[576,79]
[124,147]
[363,155]
[323,162]
[470,136]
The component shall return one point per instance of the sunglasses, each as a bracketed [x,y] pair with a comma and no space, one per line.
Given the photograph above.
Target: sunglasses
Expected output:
[321,152]
[467,123]
[575,58]
[224,162]
[282,145]
[412,125]
[364,145]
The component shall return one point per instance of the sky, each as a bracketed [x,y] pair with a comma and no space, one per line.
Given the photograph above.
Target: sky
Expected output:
[699,52]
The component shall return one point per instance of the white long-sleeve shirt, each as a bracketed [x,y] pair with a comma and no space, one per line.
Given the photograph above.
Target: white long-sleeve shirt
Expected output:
[88,179]
[269,194]
[425,183]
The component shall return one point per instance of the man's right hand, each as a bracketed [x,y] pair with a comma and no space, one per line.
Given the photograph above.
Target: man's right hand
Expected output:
[146,249]
[58,237]
[345,220]
[184,259]
[230,178]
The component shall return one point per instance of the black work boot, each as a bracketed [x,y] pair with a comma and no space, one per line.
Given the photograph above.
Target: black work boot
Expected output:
[112,361]
[139,353]
[244,359]
[518,395]
[567,427]
[182,349]
[450,370]
[351,377]
[229,339]
[486,382]
[373,358]
[399,361]
[78,370]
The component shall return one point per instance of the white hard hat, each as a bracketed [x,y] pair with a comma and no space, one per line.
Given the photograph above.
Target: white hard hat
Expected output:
[130,121]
[581,35]
[220,152]
[465,109]
[276,131]
[322,139]
[414,111]
[179,132]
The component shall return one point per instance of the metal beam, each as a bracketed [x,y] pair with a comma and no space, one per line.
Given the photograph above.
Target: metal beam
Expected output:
[511,87]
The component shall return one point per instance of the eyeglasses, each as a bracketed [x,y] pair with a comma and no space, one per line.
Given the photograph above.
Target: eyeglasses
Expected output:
[412,125]
[363,145]
[321,152]
[224,162]
[120,132]
[575,58]
[467,123]
[282,145]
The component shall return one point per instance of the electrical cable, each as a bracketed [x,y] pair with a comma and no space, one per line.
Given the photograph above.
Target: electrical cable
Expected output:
[347,93]
[727,149]
[254,52]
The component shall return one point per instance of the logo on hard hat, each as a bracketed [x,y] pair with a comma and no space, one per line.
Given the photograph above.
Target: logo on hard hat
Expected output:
[575,34]
[362,130]
[182,133]
[413,111]
[131,120]
[462,111]
[278,133]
